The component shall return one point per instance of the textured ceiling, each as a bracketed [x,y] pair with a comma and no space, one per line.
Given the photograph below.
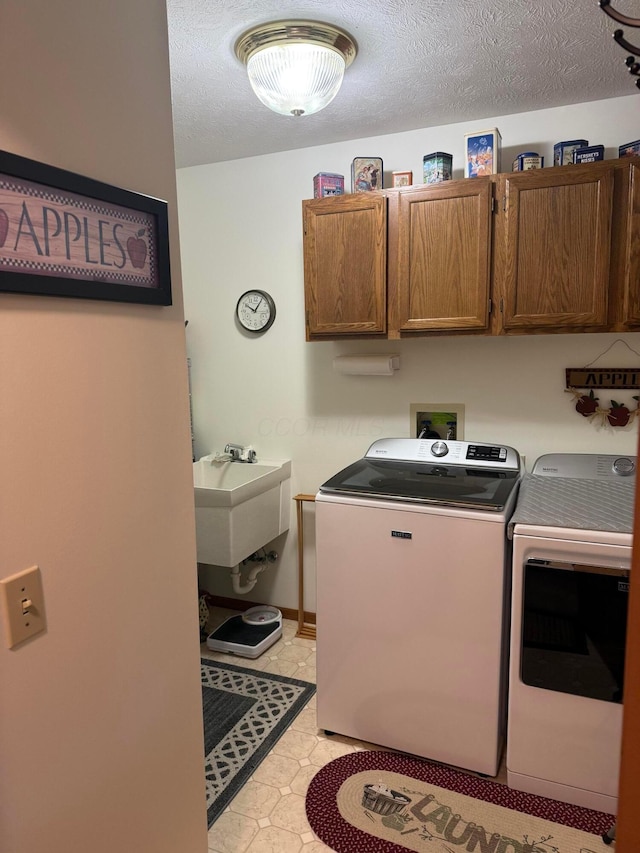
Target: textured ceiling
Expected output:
[420,63]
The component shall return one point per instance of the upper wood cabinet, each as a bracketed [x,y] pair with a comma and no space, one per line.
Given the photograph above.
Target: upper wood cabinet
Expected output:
[549,250]
[552,247]
[439,257]
[345,264]
[625,244]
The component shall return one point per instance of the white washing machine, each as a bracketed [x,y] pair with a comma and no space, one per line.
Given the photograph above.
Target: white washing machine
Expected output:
[572,537]
[413,596]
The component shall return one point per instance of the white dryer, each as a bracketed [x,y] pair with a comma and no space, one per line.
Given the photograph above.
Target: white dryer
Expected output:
[572,537]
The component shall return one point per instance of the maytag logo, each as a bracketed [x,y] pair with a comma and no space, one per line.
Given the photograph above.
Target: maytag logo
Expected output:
[623,586]
[548,468]
[401,534]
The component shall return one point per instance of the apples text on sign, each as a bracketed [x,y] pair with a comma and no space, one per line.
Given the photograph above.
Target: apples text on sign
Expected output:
[51,232]
[610,377]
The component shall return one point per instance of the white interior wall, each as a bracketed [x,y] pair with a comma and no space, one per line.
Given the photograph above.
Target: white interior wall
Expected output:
[101,715]
[241,227]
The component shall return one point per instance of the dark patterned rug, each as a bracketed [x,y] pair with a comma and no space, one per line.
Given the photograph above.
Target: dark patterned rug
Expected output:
[245,713]
[384,802]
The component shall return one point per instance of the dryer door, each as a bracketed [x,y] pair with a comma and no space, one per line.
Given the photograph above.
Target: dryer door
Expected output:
[574,622]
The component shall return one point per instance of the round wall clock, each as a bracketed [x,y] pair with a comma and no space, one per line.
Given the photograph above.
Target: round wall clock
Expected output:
[256,311]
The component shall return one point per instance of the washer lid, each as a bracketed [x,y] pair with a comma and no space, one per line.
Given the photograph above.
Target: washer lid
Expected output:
[436,482]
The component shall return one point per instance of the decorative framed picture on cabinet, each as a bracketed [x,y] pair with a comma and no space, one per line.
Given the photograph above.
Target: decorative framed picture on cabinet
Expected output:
[366,174]
[402,179]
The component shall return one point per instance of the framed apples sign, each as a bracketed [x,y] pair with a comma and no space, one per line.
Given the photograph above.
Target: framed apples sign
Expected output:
[63,234]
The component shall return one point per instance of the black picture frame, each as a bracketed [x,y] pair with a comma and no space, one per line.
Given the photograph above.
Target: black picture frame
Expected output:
[64,234]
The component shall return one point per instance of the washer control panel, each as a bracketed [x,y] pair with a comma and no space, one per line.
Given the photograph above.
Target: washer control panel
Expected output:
[470,454]
[483,451]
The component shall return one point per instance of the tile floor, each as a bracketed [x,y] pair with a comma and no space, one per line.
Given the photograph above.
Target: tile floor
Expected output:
[268,814]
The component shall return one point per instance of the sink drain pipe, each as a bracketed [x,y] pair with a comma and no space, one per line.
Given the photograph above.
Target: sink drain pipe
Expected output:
[263,558]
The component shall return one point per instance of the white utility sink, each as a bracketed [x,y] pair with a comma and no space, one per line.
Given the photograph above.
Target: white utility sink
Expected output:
[240,507]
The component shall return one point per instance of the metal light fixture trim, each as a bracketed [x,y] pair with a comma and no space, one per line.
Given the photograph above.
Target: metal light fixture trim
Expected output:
[296,67]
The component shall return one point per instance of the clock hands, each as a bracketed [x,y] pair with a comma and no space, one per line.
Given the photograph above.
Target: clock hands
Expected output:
[257,306]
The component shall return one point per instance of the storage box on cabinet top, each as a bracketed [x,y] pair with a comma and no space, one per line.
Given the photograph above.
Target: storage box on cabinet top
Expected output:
[563,151]
[401,179]
[630,149]
[482,153]
[528,160]
[589,155]
[437,167]
[366,174]
[327,183]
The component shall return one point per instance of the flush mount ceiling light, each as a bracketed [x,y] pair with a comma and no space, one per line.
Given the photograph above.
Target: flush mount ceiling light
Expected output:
[296,67]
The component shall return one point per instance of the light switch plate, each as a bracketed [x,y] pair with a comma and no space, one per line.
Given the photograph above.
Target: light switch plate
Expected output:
[23,605]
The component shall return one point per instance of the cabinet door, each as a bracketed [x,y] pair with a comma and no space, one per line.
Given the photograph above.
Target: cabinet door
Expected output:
[553,238]
[627,243]
[345,265]
[440,256]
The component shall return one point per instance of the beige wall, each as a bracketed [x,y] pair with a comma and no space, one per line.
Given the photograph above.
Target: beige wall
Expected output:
[241,227]
[100,718]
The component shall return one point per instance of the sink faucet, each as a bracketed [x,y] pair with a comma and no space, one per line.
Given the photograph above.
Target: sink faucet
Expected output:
[238,453]
[234,451]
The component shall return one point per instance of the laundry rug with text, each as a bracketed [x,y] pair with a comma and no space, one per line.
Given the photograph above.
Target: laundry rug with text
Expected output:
[384,802]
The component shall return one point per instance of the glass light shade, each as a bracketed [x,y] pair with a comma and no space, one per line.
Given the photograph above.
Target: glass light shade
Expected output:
[296,79]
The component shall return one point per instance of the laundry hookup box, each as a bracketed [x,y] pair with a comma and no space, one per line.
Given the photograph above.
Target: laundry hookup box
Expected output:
[482,153]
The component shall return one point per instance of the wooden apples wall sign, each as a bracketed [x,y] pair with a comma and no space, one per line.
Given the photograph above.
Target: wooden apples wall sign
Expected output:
[593,380]
[63,234]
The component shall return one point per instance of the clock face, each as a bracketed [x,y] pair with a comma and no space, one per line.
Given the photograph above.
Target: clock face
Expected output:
[256,311]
